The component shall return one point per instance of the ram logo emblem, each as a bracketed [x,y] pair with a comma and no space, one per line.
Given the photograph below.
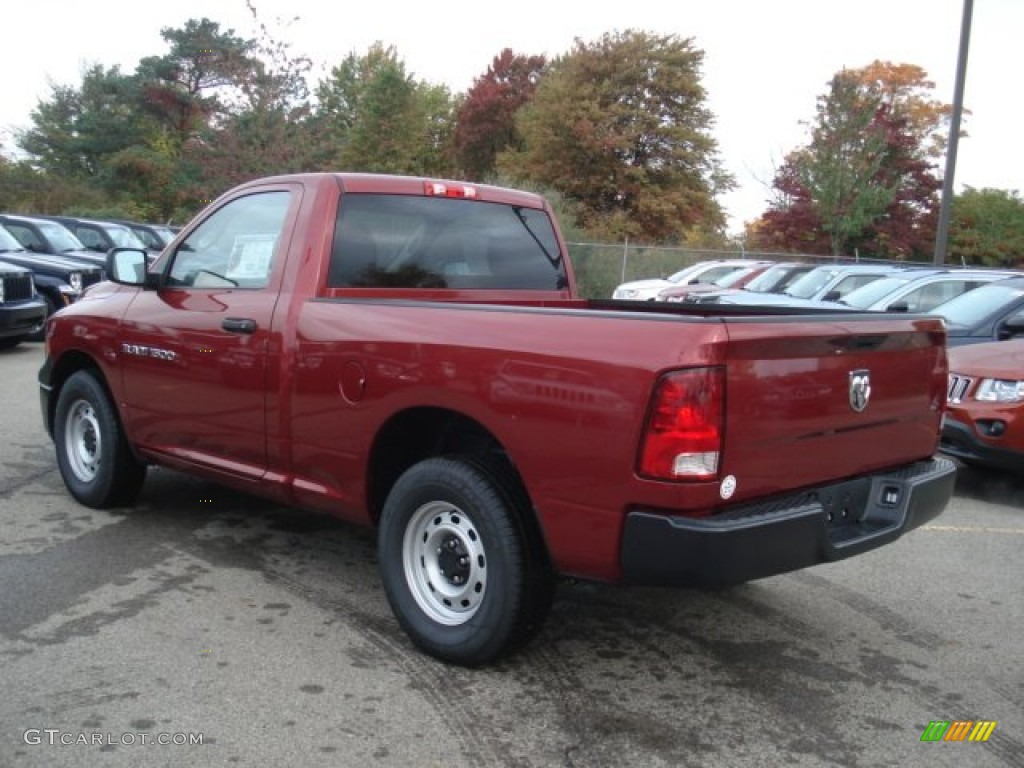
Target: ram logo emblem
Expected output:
[860,389]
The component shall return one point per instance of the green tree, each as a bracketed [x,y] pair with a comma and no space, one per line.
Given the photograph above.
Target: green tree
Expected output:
[840,169]
[620,126]
[987,228]
[374,116]
[78,128]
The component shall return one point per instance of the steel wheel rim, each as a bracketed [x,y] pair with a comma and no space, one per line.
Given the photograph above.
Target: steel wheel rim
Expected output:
[444,562]
[83,441]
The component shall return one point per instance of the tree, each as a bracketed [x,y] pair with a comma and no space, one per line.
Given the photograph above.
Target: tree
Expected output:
[268,131]
[74,131]
[866,179]
[791,222]
[194,81]
[841,172]
[373,116]
[485,123]
[987,228]
[620,126]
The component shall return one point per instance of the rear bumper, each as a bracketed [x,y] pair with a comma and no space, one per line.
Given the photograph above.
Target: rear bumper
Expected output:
[785,534]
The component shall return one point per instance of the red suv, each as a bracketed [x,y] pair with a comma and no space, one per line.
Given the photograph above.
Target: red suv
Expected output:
[985,421]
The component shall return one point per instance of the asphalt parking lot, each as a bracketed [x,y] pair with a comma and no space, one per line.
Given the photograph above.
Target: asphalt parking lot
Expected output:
[205,614]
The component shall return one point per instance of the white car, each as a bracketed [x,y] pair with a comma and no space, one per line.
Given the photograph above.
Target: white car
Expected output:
[701,272]
[920,292]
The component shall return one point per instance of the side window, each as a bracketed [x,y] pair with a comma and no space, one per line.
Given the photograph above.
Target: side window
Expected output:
[938,293]
[234,247]
[148,239]
[25,236]
[90,238]
[852,283]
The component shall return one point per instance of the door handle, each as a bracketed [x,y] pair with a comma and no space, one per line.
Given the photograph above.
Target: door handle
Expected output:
[238,325]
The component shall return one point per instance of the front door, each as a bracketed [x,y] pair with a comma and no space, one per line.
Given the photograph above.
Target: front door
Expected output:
[195,351]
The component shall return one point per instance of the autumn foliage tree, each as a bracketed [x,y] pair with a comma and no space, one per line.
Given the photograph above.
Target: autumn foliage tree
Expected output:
[485,124]
[866,179]
[620,127]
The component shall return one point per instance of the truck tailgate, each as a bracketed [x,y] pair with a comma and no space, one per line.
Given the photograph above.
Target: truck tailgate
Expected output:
[809,402]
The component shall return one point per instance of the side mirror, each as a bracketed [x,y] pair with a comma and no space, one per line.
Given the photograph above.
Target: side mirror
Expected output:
[127,266]
[832,295]
[1012,326]
[898,306]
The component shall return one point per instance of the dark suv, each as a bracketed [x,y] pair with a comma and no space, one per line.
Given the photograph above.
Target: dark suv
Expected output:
[100,236]
[45,236]
[22,312]
[59,281]
[993,312]
[155,236]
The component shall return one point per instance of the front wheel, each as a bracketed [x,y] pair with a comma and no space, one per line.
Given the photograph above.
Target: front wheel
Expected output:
[95,462]
[464,577]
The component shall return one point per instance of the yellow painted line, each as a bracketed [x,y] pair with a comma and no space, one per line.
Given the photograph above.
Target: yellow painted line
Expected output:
[969,529]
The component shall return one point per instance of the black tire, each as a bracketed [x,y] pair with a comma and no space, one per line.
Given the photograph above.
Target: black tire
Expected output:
[463,572]
[11,342]
[95,462]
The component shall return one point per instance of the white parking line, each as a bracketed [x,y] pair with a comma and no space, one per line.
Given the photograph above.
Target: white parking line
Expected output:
[969,529]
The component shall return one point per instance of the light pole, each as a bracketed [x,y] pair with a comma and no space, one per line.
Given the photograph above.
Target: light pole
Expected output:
[942,232]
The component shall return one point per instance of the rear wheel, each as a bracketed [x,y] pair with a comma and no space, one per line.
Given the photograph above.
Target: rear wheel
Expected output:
[462,573]
[95,462]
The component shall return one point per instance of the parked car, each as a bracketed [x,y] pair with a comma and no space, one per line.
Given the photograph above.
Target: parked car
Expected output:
[701,272]
[22,311]
[59,281]
[829,282]
[101,236]
[735,279]
[775,279]
[993,312]
[919,291]
[984,421]
[45,236]
[155,236]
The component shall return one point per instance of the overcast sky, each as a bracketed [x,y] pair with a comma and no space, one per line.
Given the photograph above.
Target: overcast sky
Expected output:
[765,63]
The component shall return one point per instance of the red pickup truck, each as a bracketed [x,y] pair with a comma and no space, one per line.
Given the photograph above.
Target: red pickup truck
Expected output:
[411,354]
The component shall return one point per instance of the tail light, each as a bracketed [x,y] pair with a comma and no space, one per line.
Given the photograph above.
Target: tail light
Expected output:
[438,189]
[683,436]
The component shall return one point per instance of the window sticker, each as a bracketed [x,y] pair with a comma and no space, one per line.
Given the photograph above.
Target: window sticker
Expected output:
[250,256]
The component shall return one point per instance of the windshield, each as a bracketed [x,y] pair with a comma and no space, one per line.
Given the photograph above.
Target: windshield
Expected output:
[682,274]
[60,237]
[730,279]
[972,307]
[767,279]
[866,295]
[164,234]
[124,237]
[811,283]
[9,242]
